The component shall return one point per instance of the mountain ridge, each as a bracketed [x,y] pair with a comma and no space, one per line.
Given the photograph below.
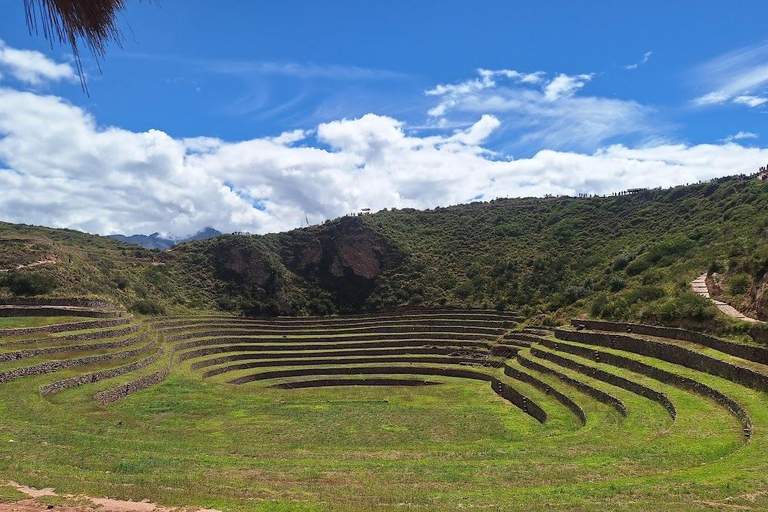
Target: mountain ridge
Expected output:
[156,241]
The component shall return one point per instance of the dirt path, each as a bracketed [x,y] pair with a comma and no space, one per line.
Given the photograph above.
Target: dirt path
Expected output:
[699,286]
[79,503]
[30,265]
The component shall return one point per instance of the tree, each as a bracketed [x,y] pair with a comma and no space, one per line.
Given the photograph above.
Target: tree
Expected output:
[92,22]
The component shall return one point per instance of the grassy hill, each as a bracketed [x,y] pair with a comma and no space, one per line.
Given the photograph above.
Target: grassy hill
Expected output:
[628,257]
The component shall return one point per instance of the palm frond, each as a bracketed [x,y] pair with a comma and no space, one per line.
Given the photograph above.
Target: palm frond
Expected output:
[90,22]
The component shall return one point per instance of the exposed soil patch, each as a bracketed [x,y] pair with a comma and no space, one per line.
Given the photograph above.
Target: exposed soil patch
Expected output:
[69,503]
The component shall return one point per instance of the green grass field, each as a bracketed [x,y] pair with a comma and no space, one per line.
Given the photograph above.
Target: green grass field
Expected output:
[194,442]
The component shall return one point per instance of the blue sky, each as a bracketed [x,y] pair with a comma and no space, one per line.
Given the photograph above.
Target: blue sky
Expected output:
[434,103]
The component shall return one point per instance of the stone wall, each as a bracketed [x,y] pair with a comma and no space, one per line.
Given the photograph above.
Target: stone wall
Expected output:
[73,303]
[749,352]
[224,345]
[54,366]
[474,356]
[335,361]
[70,326]
[114,394]
[672,354]
[664,376]
[353,382]
[547,389]
[599,395]
[87,336]
[80,380]
[329,338]
[24,354]
[610,378]
[524,403]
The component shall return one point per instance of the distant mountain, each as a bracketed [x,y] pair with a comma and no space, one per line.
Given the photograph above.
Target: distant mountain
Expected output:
[155,241]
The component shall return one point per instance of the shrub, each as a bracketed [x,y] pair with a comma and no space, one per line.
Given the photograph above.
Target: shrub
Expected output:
[121,282]
[616,284]
[147,307]
[684,306]
[574,293]
[638,266]
[600,306]
[645,294]
[740,284]
[24,283]
[715,267]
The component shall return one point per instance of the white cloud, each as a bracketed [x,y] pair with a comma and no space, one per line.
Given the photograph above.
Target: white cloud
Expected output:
[740,136]
[33,67]
[740,77]
[646,58]
[546,112]
[60,168]
[750,101]
[564,86]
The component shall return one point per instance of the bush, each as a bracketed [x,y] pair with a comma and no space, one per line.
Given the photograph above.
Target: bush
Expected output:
[600,306]
[147,307]
[684,306]
[715,267]
[638,266]
[616,284]
[23,283]
[645,294]
[740,283]
[121,282]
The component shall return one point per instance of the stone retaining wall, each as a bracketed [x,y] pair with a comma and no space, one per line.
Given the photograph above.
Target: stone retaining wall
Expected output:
[610,378]
[13,311]
[94,335]
[599,395]
[353,382]
[524,403]
[54,366]
[389,329]
[672,354]
[334,361]
[548,390]
[751,353]
[664,376]
[230,333]
[340,353]
[519,336]
[24,354]
[114,394]
[221,346]
[80,380]
[70,326]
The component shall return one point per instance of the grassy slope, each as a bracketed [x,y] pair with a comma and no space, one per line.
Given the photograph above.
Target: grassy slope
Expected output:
[253,448]
[628,257]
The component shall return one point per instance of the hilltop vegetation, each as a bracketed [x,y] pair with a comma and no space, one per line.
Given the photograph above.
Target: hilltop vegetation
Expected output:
[624,257]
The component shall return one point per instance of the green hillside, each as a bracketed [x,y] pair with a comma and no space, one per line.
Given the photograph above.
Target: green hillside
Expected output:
[628,257]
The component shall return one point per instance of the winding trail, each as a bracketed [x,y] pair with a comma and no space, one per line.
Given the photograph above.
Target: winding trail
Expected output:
[699,286]
[34,264]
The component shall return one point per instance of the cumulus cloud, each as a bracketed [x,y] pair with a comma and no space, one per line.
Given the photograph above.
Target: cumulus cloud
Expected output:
[60,168]
[33,67]
[739,77]
[545,111]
